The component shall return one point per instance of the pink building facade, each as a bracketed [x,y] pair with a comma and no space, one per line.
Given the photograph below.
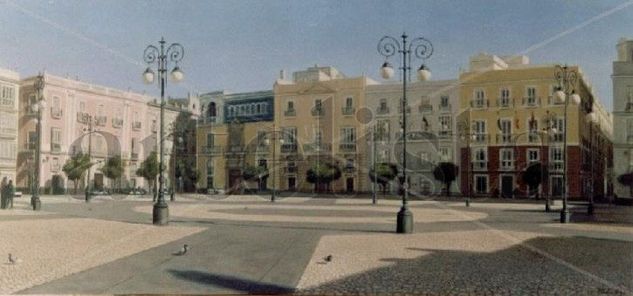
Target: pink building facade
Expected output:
[123,123]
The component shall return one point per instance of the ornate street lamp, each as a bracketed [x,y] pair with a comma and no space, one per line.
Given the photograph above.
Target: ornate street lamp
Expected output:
[37,107]
[89,131]
[566,92]
[466,135]
[162,57]
[422,49]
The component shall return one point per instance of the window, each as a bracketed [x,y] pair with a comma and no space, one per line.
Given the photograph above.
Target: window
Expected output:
[32,140]
[349,102]
[479,129]
[506,158]
[559,125]
[262,163]
[261,138]
[212,110]
[56,139]
[445,154]
[481,184]
[480,158]
[348,135]
[210,140]
[505,126]
[317,104]
[382,130]
[480,98]
[289,135]
[531,96]
[556,158]
[7,95]
[424,156]
[134,148]
[504,100]
[291,106]
[532,156]
[444,102]
[383,106]
[445,125]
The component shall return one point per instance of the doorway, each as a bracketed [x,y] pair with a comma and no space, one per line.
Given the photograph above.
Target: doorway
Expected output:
[557,186]
[98,181]
[507,184]
[349,185]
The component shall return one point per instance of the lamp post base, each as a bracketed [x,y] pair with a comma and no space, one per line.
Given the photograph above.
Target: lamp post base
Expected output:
[88,196]
[548,208]
[564,216]
[160,214]
[36,203]
[590,209]
[404,221]
[272,196]
[468,201]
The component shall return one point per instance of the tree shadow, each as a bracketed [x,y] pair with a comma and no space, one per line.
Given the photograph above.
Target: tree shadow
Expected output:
[514,270]
[230,282]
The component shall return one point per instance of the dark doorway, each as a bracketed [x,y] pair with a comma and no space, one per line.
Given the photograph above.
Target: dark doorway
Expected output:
[507,184]
[557,186]
[292,184]
[349,185]
[98,181]
[234,179]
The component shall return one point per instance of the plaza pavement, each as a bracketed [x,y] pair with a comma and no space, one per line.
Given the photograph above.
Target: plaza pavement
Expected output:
[246,244]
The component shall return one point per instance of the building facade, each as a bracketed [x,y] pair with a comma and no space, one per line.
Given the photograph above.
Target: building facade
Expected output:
[509,120]
[124,123]
[623,117]
[9,93]
[317,114]
[431,129]
[231,135]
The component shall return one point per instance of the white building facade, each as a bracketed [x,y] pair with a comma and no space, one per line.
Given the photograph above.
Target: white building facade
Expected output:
[9,92]
[623,116]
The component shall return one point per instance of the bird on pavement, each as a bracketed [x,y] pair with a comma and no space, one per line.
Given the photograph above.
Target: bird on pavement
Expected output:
[14,260]
[182,251]
[327,258]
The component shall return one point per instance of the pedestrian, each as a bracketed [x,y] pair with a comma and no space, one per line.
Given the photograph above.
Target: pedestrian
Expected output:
[10,194]
[3,200]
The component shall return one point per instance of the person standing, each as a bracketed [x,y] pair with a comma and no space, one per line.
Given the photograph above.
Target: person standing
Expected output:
[10,191]
[3,200]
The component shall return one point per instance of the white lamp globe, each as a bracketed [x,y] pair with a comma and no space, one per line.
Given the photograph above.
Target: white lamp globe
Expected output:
[554,130]
[424,73]
[148,76]
[386,71]
[281,141]
[560,96]
[267,142]
[177,74]
[474,137]
[575,99]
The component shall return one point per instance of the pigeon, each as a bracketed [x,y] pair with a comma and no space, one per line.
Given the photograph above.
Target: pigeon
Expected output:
[14,260]
[182,251]
[327,258]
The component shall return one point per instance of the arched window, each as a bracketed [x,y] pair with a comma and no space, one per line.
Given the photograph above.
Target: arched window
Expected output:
[212,112]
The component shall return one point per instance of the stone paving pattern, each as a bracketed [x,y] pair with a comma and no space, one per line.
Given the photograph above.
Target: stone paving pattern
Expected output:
[246,244]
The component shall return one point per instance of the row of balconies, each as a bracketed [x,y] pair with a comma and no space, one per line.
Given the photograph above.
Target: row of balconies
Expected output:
[84,118]
[285,148]
[320,111]
[422,108]
[506,102]
[503,138]
[509,165]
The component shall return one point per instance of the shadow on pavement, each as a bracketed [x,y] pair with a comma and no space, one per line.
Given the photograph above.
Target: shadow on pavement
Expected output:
[514,270]
[230,282]
[283,226]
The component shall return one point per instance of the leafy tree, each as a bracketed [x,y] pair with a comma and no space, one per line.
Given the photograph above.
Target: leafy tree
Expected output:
[385,172]
[75,167]
[446,172]
[323,173]
[113,169]
[149,169]
[533,176]
[627,180]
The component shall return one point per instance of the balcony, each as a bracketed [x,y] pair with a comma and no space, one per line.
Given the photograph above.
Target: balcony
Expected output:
[57,113]
[425,108]
[480,138]
[408,109]
[212,150]
[290,112]
[317,147]
[83,117]
[117,122]
[136,125]
[479,103]
[556,166]
[347,147]
[318,111]
[480,165]
[505,102]
[101,120]
[506,165]
[290,170]
[28,147]
[289,148]
[207,120]
[531,101]
[348,110]
[349,169]
[444,134]
[235,149]
[445,107]
[504,138]
[56,147]
[382,110]
[134,155]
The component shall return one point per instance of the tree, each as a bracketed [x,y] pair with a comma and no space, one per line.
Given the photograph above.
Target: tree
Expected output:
[533,176]
[255,173]
[75,167]
[385,172]
[113,169]
[323,173]
[446,172]
[627,180]
[149,169]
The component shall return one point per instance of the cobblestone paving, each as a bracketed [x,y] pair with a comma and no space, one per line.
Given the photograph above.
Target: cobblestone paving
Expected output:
[54,248]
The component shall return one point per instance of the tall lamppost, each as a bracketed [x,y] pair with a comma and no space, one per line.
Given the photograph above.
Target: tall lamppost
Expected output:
[422,49]
[274,137]
[566,79]
[89,131]
[466,135]
[162,56]
[373,139]
[592,120]
[38,107]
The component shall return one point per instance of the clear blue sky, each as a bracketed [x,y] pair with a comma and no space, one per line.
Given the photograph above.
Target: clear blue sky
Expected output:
[242,45]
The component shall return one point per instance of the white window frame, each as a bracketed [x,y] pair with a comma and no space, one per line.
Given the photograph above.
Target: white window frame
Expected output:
[506,158]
